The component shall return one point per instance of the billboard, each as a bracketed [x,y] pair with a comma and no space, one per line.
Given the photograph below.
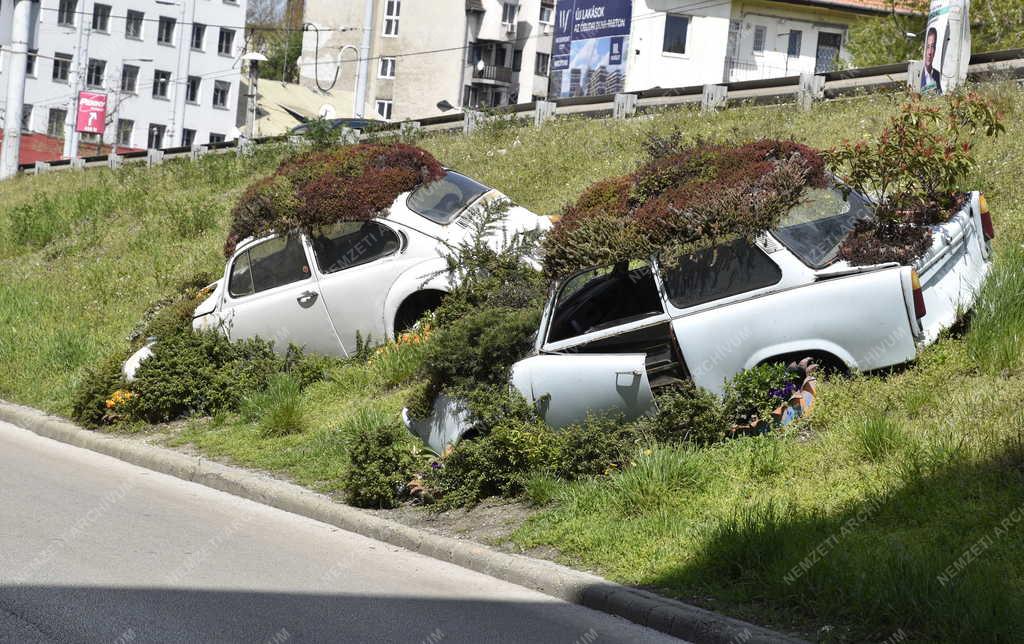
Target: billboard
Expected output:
[947,46]
[92,113]
[591,39]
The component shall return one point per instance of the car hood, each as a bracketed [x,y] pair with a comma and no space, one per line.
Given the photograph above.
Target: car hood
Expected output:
[209,305]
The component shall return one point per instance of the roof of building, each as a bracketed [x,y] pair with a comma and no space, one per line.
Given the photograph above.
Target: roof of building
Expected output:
[282,106]
[902,7]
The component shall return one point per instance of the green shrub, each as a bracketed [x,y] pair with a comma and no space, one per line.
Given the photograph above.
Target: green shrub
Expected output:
[309,368]
[380,463]
[280,407]
[754,393]
[90,400]
[595,447]
[656,478]
[200,373]
[541,489]
[686,413]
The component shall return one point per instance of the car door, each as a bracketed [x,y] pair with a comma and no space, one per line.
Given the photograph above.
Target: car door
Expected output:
[272,294]
[357,263]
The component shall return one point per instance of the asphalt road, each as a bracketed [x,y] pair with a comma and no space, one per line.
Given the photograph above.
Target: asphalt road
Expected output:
[96,550]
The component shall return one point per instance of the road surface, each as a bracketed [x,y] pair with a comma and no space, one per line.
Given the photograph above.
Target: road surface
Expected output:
[96,550]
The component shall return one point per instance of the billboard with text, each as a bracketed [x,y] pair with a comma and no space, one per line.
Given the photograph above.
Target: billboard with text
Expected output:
[591,41]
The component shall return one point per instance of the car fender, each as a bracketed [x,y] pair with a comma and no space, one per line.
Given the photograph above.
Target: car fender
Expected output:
[429,275]
[809,346]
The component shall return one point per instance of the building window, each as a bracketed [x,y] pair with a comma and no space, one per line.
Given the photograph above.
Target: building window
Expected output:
[508,13]
[124,132]
[676,28]
[155,140]
[795,40]
[61,67]
[760,36]
[91,138]
[543,60]
[384,109]
[546,13]
[221,89]
[225,41]
[26,118]
[517,60]
[387,67]
[129,78]
[66,13]
[392,9]
[161,83]
[188,137]
[198,36]
[216,138]
[55,122]
[133,24]
[192,89]
[94,74]
[165,30]
[30,63]
[101,17]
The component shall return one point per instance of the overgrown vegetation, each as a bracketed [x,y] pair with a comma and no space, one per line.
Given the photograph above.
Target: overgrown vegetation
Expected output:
[897,475]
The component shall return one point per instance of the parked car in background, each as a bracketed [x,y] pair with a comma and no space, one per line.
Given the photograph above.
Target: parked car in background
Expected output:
[336,124]
[373,278]
[611,335]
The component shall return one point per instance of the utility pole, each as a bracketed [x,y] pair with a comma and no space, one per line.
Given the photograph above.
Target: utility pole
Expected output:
[254,59]
[16,88]
[81,60]
[364,60]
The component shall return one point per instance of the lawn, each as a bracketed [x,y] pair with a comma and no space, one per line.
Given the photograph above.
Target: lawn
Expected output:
[895,511]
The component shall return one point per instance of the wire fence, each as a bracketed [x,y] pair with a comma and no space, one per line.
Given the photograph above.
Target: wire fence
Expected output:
[989,66]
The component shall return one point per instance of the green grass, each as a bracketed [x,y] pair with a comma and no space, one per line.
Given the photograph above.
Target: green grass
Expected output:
[882,491]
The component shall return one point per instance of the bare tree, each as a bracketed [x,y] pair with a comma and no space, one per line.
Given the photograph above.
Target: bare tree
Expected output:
[265,12]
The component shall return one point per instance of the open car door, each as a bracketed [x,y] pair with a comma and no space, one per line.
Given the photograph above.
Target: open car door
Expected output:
[567,387]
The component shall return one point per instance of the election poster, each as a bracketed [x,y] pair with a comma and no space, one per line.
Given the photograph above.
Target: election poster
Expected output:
[947,46]
[590,47]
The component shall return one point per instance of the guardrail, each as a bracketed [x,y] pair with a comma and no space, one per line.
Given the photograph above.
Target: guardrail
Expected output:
[803,89]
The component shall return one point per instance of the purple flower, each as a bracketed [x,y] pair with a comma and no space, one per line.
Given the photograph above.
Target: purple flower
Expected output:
[784,393]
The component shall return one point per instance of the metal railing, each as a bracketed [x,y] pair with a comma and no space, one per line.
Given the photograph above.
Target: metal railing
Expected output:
[828,86]
[493,73]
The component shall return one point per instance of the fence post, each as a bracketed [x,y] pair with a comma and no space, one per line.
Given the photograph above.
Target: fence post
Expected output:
[348,135]
[625,106]
[812,88]
[713,97]
[154,157]
[78,163]
[114,161]
[196,152]
[409,128]
[244,147]
[915,68]
[42,167]
[472,121]
[543,111]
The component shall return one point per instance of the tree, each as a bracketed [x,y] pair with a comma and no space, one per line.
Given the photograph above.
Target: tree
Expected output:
[275,30]
[995,25]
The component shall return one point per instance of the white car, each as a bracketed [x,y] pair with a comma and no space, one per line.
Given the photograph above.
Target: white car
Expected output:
[375,278]
[610,334]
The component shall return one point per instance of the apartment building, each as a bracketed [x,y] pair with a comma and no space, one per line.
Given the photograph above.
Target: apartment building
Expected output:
[427,57]
[169,69]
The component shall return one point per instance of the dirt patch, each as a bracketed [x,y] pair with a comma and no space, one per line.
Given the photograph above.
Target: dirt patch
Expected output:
[491,522]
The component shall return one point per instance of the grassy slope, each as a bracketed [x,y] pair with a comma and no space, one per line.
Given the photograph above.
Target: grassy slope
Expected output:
[898,477]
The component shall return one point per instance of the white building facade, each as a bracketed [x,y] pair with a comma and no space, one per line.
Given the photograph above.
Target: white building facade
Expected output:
[169,68]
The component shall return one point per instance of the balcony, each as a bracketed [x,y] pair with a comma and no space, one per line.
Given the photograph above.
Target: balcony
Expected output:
[494,73]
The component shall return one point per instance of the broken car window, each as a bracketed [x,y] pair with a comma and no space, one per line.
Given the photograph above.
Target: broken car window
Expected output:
[715,273]
[601,298]
[815,228]
[273,263]
[347,244]
[443,200]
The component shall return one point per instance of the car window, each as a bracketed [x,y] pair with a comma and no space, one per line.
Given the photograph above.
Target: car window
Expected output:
[715,273]
[604,297]
[267,265]
[816,227]
[347,244]
[443,200]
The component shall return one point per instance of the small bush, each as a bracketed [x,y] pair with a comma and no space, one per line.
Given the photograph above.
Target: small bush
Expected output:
[686,413]
[309,368]
[596,447]
[656,478]
[89,407]
[753,394]
[280,407]
[541,489]
[380,463]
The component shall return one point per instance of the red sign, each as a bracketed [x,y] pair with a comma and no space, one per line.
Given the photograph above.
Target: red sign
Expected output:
[92,113]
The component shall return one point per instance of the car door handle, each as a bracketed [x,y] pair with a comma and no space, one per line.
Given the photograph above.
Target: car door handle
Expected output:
[307,298]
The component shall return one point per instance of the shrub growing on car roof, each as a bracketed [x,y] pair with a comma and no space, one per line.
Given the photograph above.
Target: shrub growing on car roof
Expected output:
[352,183]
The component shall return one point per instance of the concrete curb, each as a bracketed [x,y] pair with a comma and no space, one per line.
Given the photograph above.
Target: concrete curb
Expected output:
[656,612]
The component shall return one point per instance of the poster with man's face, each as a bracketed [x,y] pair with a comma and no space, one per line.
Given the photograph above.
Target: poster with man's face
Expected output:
[947,46]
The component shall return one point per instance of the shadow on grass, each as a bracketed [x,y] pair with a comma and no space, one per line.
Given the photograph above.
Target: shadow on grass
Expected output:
[939,558]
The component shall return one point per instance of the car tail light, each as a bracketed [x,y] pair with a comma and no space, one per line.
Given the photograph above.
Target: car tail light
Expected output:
[986,218]
[919,308]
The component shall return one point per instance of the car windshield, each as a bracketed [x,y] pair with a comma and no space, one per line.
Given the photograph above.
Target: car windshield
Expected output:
[816,227]
[443,200]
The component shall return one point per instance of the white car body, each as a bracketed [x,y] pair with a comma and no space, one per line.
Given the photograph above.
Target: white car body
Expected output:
[322,308]
[861,317]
